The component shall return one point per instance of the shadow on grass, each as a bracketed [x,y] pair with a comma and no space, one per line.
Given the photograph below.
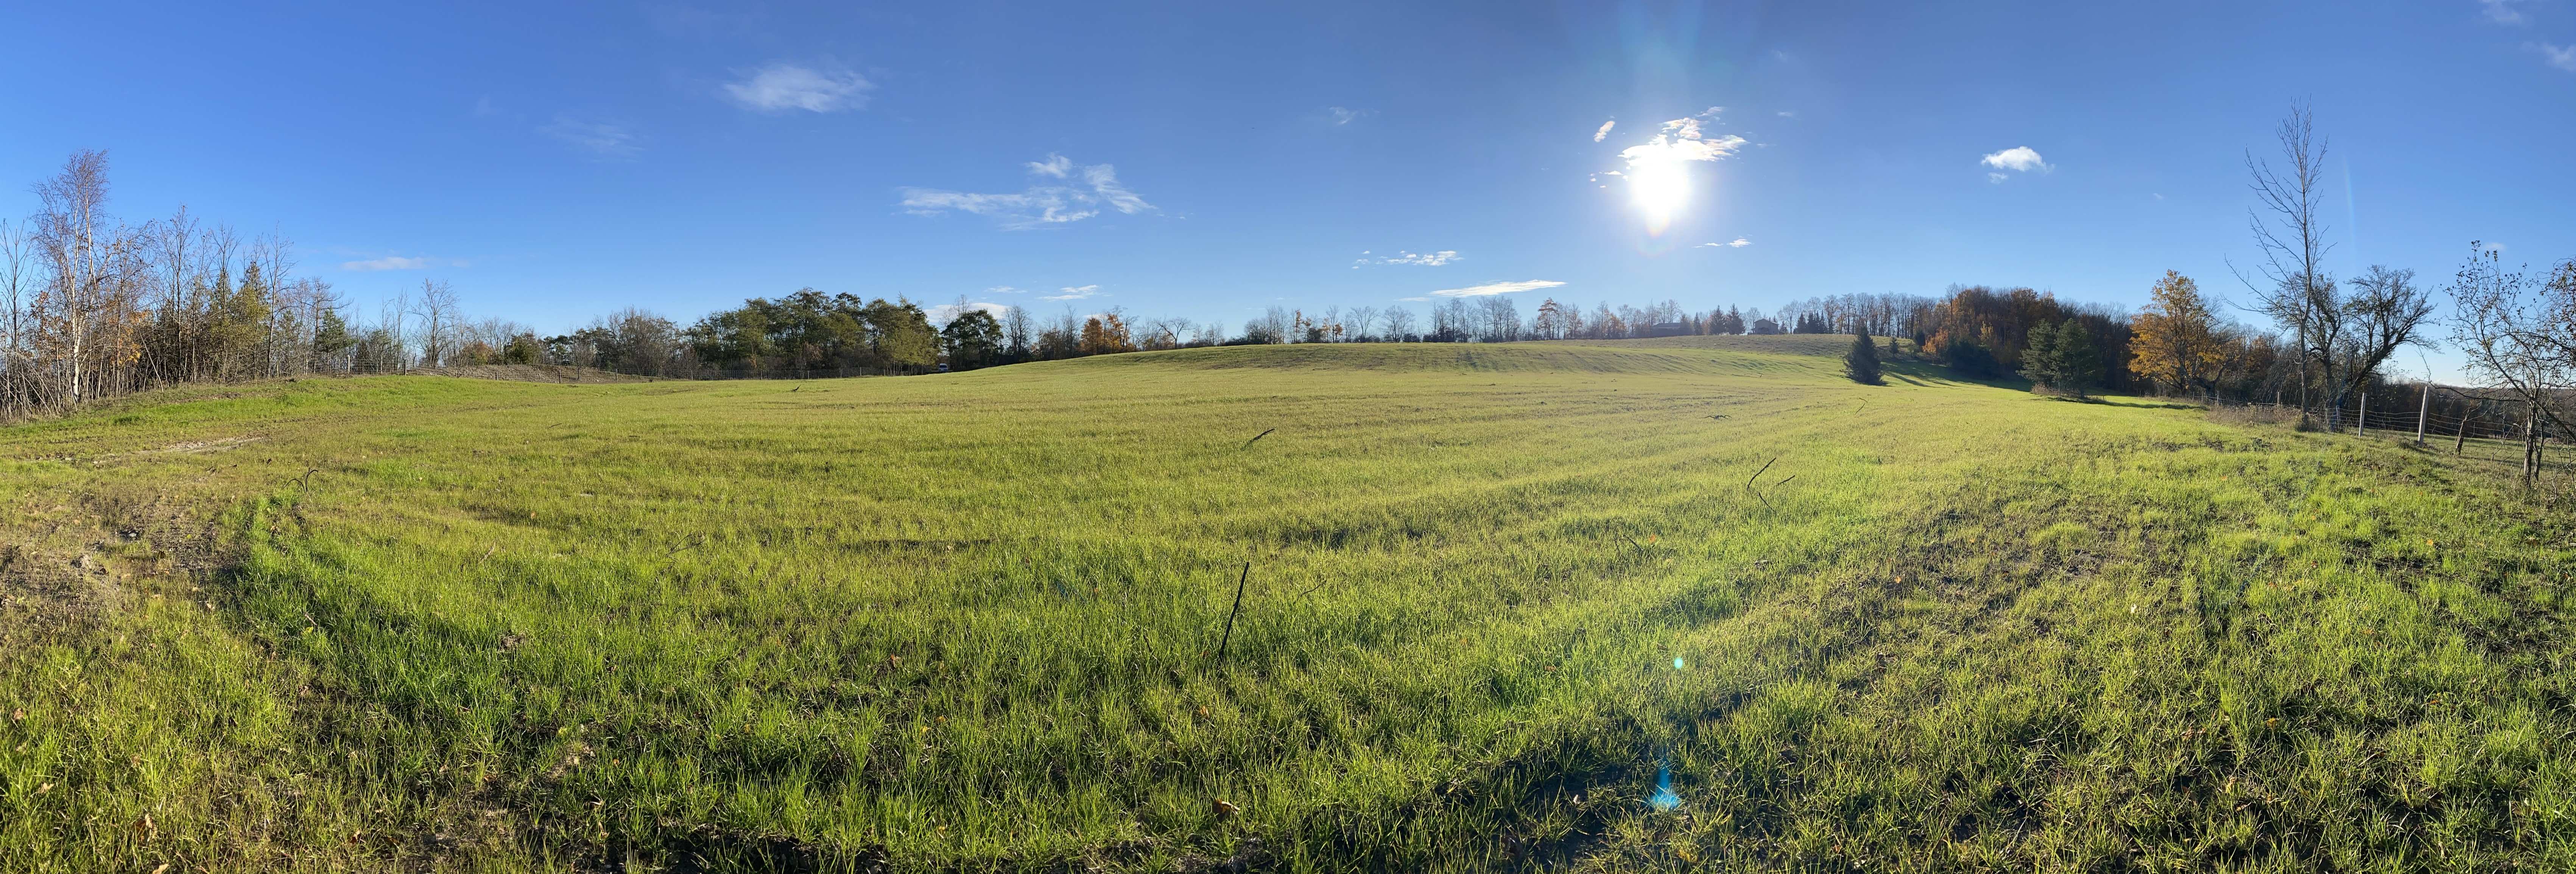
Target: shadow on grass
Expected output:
[1921,372]
[2130,401]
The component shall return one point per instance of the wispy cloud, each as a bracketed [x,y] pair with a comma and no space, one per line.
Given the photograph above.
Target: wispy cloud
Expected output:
[398,262]
[1040,205]
[1736,243]
[600,139]
[1054,165]
[2562,57]
[1345,115]
[1074,292]
[786,87]
[1604,132]
[2502,12]
[1004,289]
[1496,288]
[2020,159]
[1425,259]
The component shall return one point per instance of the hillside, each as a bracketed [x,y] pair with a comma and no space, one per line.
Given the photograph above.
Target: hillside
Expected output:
[1608,606]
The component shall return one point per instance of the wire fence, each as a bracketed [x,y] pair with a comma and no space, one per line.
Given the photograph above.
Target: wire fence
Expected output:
[2504,422]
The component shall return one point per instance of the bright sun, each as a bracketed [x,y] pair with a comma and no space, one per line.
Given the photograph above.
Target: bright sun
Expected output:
[1659,177]
[1660,185]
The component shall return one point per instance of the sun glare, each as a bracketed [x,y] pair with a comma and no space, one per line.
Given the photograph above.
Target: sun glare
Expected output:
[1660,187]
[1659,177]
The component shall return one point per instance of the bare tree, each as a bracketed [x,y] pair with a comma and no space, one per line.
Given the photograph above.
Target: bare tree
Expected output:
[85,308]
[2384,311]
[2294,289]
[1399,323]
[1017,332]
[2516,339]
[1360,321]
[439,314]
[2342,337]
[17,286]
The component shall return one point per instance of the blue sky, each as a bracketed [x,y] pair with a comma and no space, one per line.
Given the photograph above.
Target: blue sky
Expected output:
[1209,159]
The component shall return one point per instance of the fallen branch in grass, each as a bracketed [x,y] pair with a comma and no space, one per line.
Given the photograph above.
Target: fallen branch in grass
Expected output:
[296,506]
[1238,603]
[1256,438]
[1757,475]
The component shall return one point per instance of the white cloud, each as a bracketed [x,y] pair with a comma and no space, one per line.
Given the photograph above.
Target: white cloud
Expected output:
[1040,205]
[947,312]
[785,87]
[1996,178]
[1736,243]
[1426,259]
[1413,299]
[1604,132]
[598,138]
[2563,58]
[1004,289]
[398,262]
[1681,141]
[1074,293]
[1497,288]
[2017,158]
[1343,115]
[2502,11]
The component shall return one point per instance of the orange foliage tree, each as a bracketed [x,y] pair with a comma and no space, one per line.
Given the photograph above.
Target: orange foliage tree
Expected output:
[2176,342]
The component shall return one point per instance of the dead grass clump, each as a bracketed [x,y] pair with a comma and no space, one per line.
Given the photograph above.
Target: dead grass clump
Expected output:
[2256,414]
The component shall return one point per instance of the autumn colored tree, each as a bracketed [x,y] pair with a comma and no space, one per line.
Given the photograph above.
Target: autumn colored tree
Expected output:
[2175,341]
[1106,334]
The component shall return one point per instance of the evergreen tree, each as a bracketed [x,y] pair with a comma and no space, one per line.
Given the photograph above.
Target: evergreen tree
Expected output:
[2039,361]
[2079,364]
[1861,363]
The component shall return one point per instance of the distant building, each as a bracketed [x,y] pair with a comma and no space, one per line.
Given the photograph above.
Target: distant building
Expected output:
[1667,329]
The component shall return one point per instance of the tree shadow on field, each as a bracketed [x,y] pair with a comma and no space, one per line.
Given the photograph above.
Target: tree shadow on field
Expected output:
[1926,373]
[2129,401]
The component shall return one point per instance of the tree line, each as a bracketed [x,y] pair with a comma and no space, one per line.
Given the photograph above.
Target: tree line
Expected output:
[92,306]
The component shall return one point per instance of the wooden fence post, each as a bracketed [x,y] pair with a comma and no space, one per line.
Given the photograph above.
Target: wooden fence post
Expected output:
[2420,407]
[2361,423]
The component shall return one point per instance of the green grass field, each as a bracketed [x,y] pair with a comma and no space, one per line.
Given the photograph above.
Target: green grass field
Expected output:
[1500,598]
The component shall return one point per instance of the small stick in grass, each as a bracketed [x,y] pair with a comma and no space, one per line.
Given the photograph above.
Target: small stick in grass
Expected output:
[1238,604]
[1757,475]
[1256,438]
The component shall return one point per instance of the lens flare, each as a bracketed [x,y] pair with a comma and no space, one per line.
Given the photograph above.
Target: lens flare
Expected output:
[1664,797]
